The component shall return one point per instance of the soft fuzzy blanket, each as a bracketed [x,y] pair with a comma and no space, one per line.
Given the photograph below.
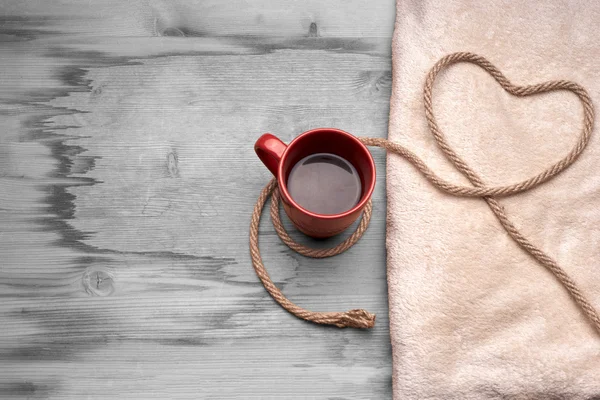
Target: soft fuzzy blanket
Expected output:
[472,315]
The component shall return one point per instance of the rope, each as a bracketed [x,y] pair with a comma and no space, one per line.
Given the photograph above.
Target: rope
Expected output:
[362,318]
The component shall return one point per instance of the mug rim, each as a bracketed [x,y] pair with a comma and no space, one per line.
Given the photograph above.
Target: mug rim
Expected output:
[364,199]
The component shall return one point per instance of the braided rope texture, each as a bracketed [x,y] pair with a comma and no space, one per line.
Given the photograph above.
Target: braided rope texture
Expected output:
[363,319]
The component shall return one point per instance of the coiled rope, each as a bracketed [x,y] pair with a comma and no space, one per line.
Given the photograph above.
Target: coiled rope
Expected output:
[362,319]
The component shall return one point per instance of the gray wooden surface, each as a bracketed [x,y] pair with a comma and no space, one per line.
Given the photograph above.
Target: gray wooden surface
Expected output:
[127,179]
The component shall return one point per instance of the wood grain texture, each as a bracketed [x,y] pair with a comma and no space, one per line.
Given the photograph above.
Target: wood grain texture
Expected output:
[127,179]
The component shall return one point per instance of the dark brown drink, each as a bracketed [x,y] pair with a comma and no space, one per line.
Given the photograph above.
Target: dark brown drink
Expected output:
[324,183]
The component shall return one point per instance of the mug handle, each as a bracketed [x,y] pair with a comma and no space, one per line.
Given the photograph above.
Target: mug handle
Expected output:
[270,149]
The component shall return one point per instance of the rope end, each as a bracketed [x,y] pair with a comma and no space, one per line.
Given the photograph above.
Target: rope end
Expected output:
[360,319]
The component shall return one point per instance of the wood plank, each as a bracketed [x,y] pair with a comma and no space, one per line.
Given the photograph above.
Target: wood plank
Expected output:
[127,178]
[201,18]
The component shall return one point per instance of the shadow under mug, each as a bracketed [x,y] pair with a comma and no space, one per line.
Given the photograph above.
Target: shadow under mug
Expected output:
[280,158]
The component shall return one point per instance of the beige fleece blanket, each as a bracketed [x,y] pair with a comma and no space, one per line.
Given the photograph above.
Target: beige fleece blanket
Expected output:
[472,315]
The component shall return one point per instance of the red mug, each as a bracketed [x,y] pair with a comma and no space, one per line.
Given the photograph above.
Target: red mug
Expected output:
[280,158]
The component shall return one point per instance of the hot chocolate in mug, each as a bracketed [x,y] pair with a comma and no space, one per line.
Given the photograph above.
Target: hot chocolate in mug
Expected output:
[325,176]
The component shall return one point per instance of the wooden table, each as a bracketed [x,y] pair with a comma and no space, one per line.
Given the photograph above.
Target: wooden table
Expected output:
[127,179]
